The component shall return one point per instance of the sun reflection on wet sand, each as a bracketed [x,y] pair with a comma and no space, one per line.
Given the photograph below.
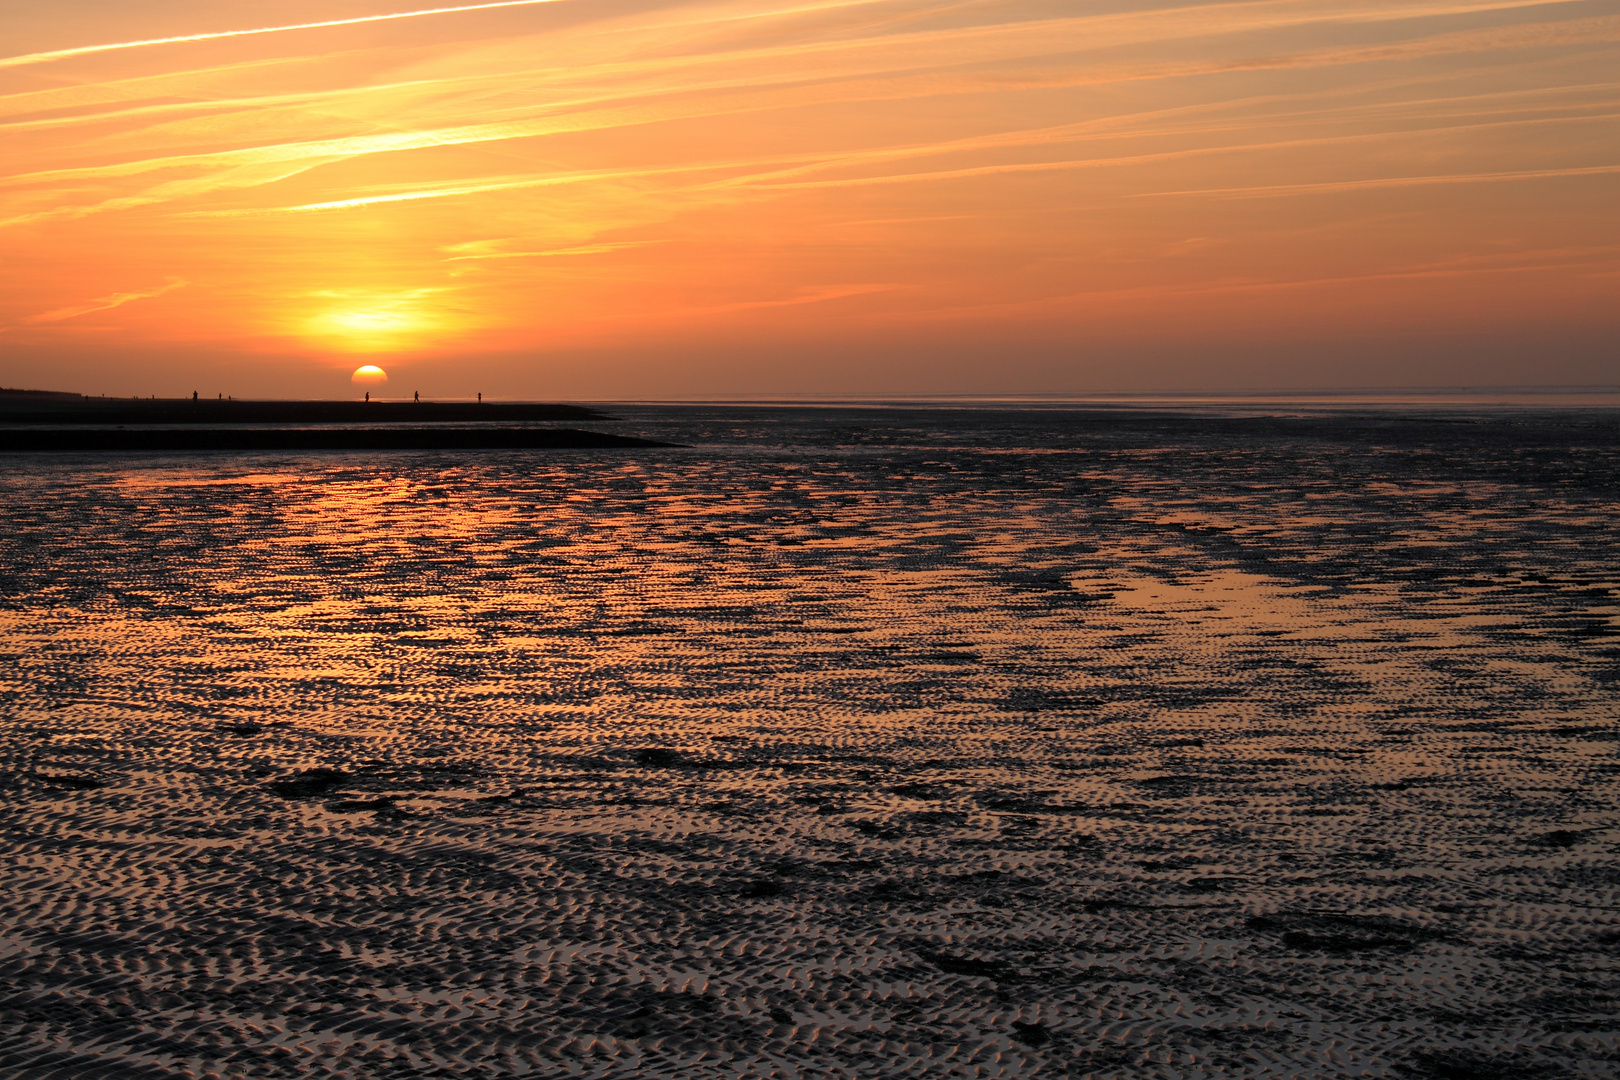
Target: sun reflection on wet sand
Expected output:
[881,744]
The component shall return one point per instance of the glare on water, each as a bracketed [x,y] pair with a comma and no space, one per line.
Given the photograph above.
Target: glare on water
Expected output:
[1005,743]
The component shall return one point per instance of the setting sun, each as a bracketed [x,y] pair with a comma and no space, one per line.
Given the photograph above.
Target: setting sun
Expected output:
[369,375]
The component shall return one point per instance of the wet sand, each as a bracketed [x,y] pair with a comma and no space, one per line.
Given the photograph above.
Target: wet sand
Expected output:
[844,744]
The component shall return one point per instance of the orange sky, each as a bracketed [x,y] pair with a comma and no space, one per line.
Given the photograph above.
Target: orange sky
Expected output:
[674,198]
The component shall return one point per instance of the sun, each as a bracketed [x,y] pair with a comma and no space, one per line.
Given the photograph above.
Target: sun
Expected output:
[369,375]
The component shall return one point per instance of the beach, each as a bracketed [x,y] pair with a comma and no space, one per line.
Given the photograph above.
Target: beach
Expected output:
[830,742]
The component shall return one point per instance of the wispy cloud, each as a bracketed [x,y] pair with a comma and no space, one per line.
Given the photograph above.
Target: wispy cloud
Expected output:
[441,191]
[103,303]
[1021,148]
[213,35]
[780,174]
[817,294]
[1330,186]
[581,249]
[1583,261]
[674,88]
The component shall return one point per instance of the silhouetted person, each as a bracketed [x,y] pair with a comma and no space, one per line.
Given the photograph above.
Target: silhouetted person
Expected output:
[416,395]
[480,397]
[194,395]
[368,395]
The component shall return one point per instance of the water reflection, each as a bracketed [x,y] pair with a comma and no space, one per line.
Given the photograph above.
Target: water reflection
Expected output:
[870,743]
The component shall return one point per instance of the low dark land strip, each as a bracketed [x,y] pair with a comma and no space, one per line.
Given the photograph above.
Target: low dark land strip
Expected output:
[65,409]
[82,439]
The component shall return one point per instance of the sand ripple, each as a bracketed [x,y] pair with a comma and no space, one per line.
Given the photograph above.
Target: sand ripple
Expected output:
[1041,749]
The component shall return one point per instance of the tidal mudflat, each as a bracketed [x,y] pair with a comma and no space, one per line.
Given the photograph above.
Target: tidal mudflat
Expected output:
[837,743]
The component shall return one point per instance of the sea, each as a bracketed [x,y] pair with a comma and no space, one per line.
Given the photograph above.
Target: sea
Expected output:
[1170,739]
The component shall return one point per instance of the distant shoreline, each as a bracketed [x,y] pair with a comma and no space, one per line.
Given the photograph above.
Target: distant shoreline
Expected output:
[73,409]
[148,439]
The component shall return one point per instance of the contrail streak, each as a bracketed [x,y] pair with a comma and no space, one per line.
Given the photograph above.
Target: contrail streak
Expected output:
[1386,182]
[583,249]
[62,54]
[1203,13]
[103,303]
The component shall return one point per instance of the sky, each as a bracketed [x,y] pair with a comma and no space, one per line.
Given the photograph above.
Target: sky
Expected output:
[664,199]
